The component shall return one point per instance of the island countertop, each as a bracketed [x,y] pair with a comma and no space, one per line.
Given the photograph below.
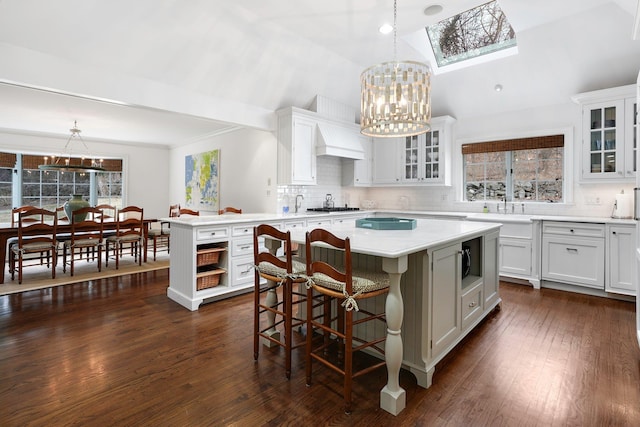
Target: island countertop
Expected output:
[429,233]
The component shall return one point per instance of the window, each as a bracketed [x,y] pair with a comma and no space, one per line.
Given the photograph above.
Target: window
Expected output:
[51,189]
[482,32]
[527,169]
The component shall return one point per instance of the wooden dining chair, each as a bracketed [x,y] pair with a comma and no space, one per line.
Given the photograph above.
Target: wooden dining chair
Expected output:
[339,282]
[186,211]
[270,311]
[15,218]
[36,235]
[229,209]
[129,231]
[85,234]
[161,235]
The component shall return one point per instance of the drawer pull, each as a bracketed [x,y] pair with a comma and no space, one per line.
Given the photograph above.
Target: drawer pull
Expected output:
[213,233]
[245,247]
[572,250]
[472,304]
[246,271]
[571,230]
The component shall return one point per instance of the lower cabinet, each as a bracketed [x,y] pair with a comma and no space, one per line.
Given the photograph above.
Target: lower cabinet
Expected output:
[515,257]
[574,253]
[445,295]
[621,265]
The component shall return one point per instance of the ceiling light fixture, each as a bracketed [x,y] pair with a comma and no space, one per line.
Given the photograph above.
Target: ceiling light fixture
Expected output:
[395,96]
[67,163]
[498,88]
[434,9]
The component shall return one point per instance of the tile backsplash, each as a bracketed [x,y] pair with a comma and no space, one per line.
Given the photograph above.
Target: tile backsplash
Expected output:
[588,200]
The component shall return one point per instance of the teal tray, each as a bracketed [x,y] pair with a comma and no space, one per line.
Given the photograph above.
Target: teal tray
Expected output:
[386,223]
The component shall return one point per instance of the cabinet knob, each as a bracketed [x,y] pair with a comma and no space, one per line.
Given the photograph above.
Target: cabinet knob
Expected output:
[571,230]
[472,304]
[613,232]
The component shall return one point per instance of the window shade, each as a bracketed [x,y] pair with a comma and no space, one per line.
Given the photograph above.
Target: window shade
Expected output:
[7,160]
[532,143]
[32,162]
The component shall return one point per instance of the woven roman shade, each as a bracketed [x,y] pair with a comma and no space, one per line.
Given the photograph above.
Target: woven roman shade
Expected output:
[32,162]
[551,141]
[7,160]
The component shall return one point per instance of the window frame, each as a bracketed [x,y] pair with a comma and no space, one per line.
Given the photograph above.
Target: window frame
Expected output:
[568,162]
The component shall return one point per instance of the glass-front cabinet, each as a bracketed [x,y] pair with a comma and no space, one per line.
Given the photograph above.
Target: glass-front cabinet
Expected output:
[608,133]
[425,157]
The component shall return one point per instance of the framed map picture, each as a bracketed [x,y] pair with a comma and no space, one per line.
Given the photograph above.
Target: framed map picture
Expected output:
[202,180]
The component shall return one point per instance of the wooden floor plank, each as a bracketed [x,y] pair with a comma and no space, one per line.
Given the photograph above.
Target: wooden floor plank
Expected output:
[119,352]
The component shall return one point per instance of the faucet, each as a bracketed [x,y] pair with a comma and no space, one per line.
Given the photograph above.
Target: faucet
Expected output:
[298,197]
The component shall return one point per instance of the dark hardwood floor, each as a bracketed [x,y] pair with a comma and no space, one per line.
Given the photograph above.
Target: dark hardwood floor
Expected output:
[119,352]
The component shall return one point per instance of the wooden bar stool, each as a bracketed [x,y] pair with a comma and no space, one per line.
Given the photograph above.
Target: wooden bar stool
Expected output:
[280,272]
[341,284]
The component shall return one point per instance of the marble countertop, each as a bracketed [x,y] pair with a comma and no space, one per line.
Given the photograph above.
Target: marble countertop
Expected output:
[395,243]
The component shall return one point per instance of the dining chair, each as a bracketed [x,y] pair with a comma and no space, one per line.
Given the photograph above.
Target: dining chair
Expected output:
[36,235]
[340,283]
[129,231]
[15,217]
[229,209]
[186,211]
[85,234]
[274,273]
[160,236]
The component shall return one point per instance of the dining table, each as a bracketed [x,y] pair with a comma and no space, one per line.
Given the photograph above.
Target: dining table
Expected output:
[7,232]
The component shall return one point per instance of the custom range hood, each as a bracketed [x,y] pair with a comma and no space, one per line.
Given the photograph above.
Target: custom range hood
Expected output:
[338,141]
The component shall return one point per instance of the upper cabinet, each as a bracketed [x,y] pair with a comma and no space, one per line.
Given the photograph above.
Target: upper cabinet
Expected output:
[423,159]
[296,147]
[358,173]
[609,133]
[426,158]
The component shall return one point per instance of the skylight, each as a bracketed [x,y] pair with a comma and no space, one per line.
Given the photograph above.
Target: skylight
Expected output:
[479,32]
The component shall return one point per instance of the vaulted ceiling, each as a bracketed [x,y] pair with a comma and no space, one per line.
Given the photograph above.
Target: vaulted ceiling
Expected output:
[170,72]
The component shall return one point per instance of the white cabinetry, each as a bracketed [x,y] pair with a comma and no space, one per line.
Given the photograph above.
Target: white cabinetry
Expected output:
[621,274]
[608,139]
[426,158]
[296,147]
[358,173]
[574,253]
[386,161]
[445,292]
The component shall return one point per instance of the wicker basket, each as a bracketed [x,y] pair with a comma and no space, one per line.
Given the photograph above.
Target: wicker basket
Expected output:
[208,256]
[207,280]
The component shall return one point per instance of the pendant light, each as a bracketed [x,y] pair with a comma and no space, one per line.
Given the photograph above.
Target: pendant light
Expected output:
[67,163]
[395,96]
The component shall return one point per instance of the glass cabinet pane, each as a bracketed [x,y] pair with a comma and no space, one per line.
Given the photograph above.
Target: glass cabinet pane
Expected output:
[610,139]
[596,162]
[610,117]
[596,119]
[596,141]
[610,161]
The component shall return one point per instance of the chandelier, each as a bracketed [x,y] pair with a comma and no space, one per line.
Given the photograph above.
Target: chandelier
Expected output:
[69,163]
[395,96]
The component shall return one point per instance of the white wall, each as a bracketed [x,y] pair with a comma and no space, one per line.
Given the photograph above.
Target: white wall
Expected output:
[247,170]
[145,167]
[585,199]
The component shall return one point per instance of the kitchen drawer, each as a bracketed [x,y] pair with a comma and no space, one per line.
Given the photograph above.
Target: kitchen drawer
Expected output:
[578,229]
[471,305]
[242,271]
[578,261]
[318,223]
[212,233]
[242,230]
[288,225]
[242,246]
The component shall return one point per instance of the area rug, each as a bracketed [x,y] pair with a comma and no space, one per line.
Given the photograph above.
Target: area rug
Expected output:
[37,277]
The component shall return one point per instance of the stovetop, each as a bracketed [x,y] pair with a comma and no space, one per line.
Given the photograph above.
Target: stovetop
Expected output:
[336,209]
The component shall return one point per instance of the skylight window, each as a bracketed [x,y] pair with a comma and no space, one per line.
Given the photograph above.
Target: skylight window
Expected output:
[479,32]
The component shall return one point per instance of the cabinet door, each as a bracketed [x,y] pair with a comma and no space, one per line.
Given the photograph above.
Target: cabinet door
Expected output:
[630,137]
[515,257]
[303,156]
[621,260]
[411,158]
[386,161]
[603,140]
[579,261]
[362,168]
[490,276]
[445,297]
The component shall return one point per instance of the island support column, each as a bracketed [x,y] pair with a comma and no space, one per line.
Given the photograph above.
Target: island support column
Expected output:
[393,398]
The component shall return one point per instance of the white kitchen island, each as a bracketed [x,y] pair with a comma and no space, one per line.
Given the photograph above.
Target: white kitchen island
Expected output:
[430,307]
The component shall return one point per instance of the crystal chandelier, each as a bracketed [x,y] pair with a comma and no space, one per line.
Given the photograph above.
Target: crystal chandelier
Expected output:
[395,96]
[67,163]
